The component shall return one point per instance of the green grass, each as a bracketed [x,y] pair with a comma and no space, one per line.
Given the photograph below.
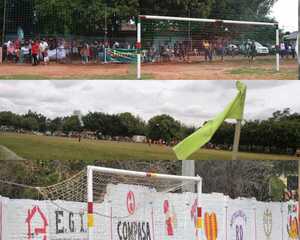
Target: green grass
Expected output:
[75,77]
[260,72]
[55,148]
[23,77]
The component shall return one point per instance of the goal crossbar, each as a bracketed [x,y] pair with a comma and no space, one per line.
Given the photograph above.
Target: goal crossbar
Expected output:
[152,17]
[143,174]
[169,18]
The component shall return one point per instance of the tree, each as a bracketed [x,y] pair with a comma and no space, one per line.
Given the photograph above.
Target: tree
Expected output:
[71,124]
[83,17]
[29,123]
[134,125]
[40,119]
[55,125]
[163,127]
[9,119]
[183,8]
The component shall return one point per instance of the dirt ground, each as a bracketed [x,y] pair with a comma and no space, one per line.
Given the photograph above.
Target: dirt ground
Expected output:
[230,69]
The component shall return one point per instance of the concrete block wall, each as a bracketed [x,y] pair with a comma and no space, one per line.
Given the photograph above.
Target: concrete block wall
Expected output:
[135,212]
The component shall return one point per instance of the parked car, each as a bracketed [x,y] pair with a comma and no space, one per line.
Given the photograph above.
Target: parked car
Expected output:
[272,48]
[260,49]
[231,49]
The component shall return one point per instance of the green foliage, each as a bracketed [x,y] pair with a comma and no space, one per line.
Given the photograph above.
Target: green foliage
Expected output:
[87,18]
[163,127]
[277,189]
[71,124]
[279,134]
[134,125]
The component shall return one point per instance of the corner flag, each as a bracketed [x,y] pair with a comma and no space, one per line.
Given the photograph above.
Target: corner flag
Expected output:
[234,110]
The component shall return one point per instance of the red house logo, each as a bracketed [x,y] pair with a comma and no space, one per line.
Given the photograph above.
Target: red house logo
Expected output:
[36,217]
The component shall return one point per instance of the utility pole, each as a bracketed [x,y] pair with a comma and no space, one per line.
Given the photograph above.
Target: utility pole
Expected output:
[105,23]
[188,169]
[236,141]
[4,22]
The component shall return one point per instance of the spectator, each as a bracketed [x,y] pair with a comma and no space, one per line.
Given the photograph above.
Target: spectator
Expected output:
[46,57]
[282,50]
[221,50]
[4,52]
[94,51]
[24,53]
[206,50]
[10,51]
[35,52]
[286,47]
[252,51]
[293,50]
[43,48]
[84,52]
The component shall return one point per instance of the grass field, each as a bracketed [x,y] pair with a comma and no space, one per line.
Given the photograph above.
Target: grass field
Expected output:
[232,68]
[55,148]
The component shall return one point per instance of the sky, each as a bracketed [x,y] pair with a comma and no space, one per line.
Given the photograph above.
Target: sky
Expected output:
[191,102]
[286,13]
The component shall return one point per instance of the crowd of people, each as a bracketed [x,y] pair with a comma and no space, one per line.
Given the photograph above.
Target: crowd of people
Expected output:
[183,51]
[43,50]
[287,50]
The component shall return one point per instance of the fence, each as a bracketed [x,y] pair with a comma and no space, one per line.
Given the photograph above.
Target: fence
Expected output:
[153,215]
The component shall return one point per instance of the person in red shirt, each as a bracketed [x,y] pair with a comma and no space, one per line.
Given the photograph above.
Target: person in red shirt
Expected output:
[35,47]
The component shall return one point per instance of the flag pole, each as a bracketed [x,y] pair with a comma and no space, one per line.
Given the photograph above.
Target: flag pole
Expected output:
[188,169]
[4,23]
[236,141]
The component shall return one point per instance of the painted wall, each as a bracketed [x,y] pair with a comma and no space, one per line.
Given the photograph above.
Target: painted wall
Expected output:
[139,213]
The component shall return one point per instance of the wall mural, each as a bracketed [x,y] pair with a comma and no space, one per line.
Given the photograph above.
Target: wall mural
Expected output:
[293,224]
[130,202]
[61,220]
[210,224]
[37,224]
[128,230]
[170,216]
[238,225]
[268,223]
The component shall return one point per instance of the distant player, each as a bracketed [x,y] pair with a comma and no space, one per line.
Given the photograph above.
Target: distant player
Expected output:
[252,52]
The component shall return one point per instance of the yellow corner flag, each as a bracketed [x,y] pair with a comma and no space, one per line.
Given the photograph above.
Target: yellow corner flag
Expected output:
[234,110]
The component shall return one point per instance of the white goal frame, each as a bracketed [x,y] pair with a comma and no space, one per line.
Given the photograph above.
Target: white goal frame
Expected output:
[167,18]
[91,169]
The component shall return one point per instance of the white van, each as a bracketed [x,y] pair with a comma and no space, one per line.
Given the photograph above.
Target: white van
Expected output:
[260,49]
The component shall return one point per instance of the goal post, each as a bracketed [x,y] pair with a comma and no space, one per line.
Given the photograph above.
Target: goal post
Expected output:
[142,18]
[161,182]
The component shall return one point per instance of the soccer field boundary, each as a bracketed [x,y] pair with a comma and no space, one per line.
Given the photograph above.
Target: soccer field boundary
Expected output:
[7,154]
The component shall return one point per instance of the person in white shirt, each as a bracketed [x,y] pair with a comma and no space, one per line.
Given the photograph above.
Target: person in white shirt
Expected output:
[43,49]
[282,50]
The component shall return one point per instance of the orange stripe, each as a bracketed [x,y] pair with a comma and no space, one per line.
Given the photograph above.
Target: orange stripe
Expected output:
[215,226]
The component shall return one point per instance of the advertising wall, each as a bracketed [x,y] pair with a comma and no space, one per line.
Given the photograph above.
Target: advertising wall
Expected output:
[133,212]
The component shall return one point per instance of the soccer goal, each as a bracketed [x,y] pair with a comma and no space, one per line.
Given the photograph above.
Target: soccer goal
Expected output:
[107,203]
[163,39]
[136,200]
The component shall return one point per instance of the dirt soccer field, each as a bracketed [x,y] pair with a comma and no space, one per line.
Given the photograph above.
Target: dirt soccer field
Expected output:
[230,69]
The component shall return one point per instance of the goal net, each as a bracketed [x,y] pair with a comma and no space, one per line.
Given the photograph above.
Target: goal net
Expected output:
[121,204]
[165,39]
